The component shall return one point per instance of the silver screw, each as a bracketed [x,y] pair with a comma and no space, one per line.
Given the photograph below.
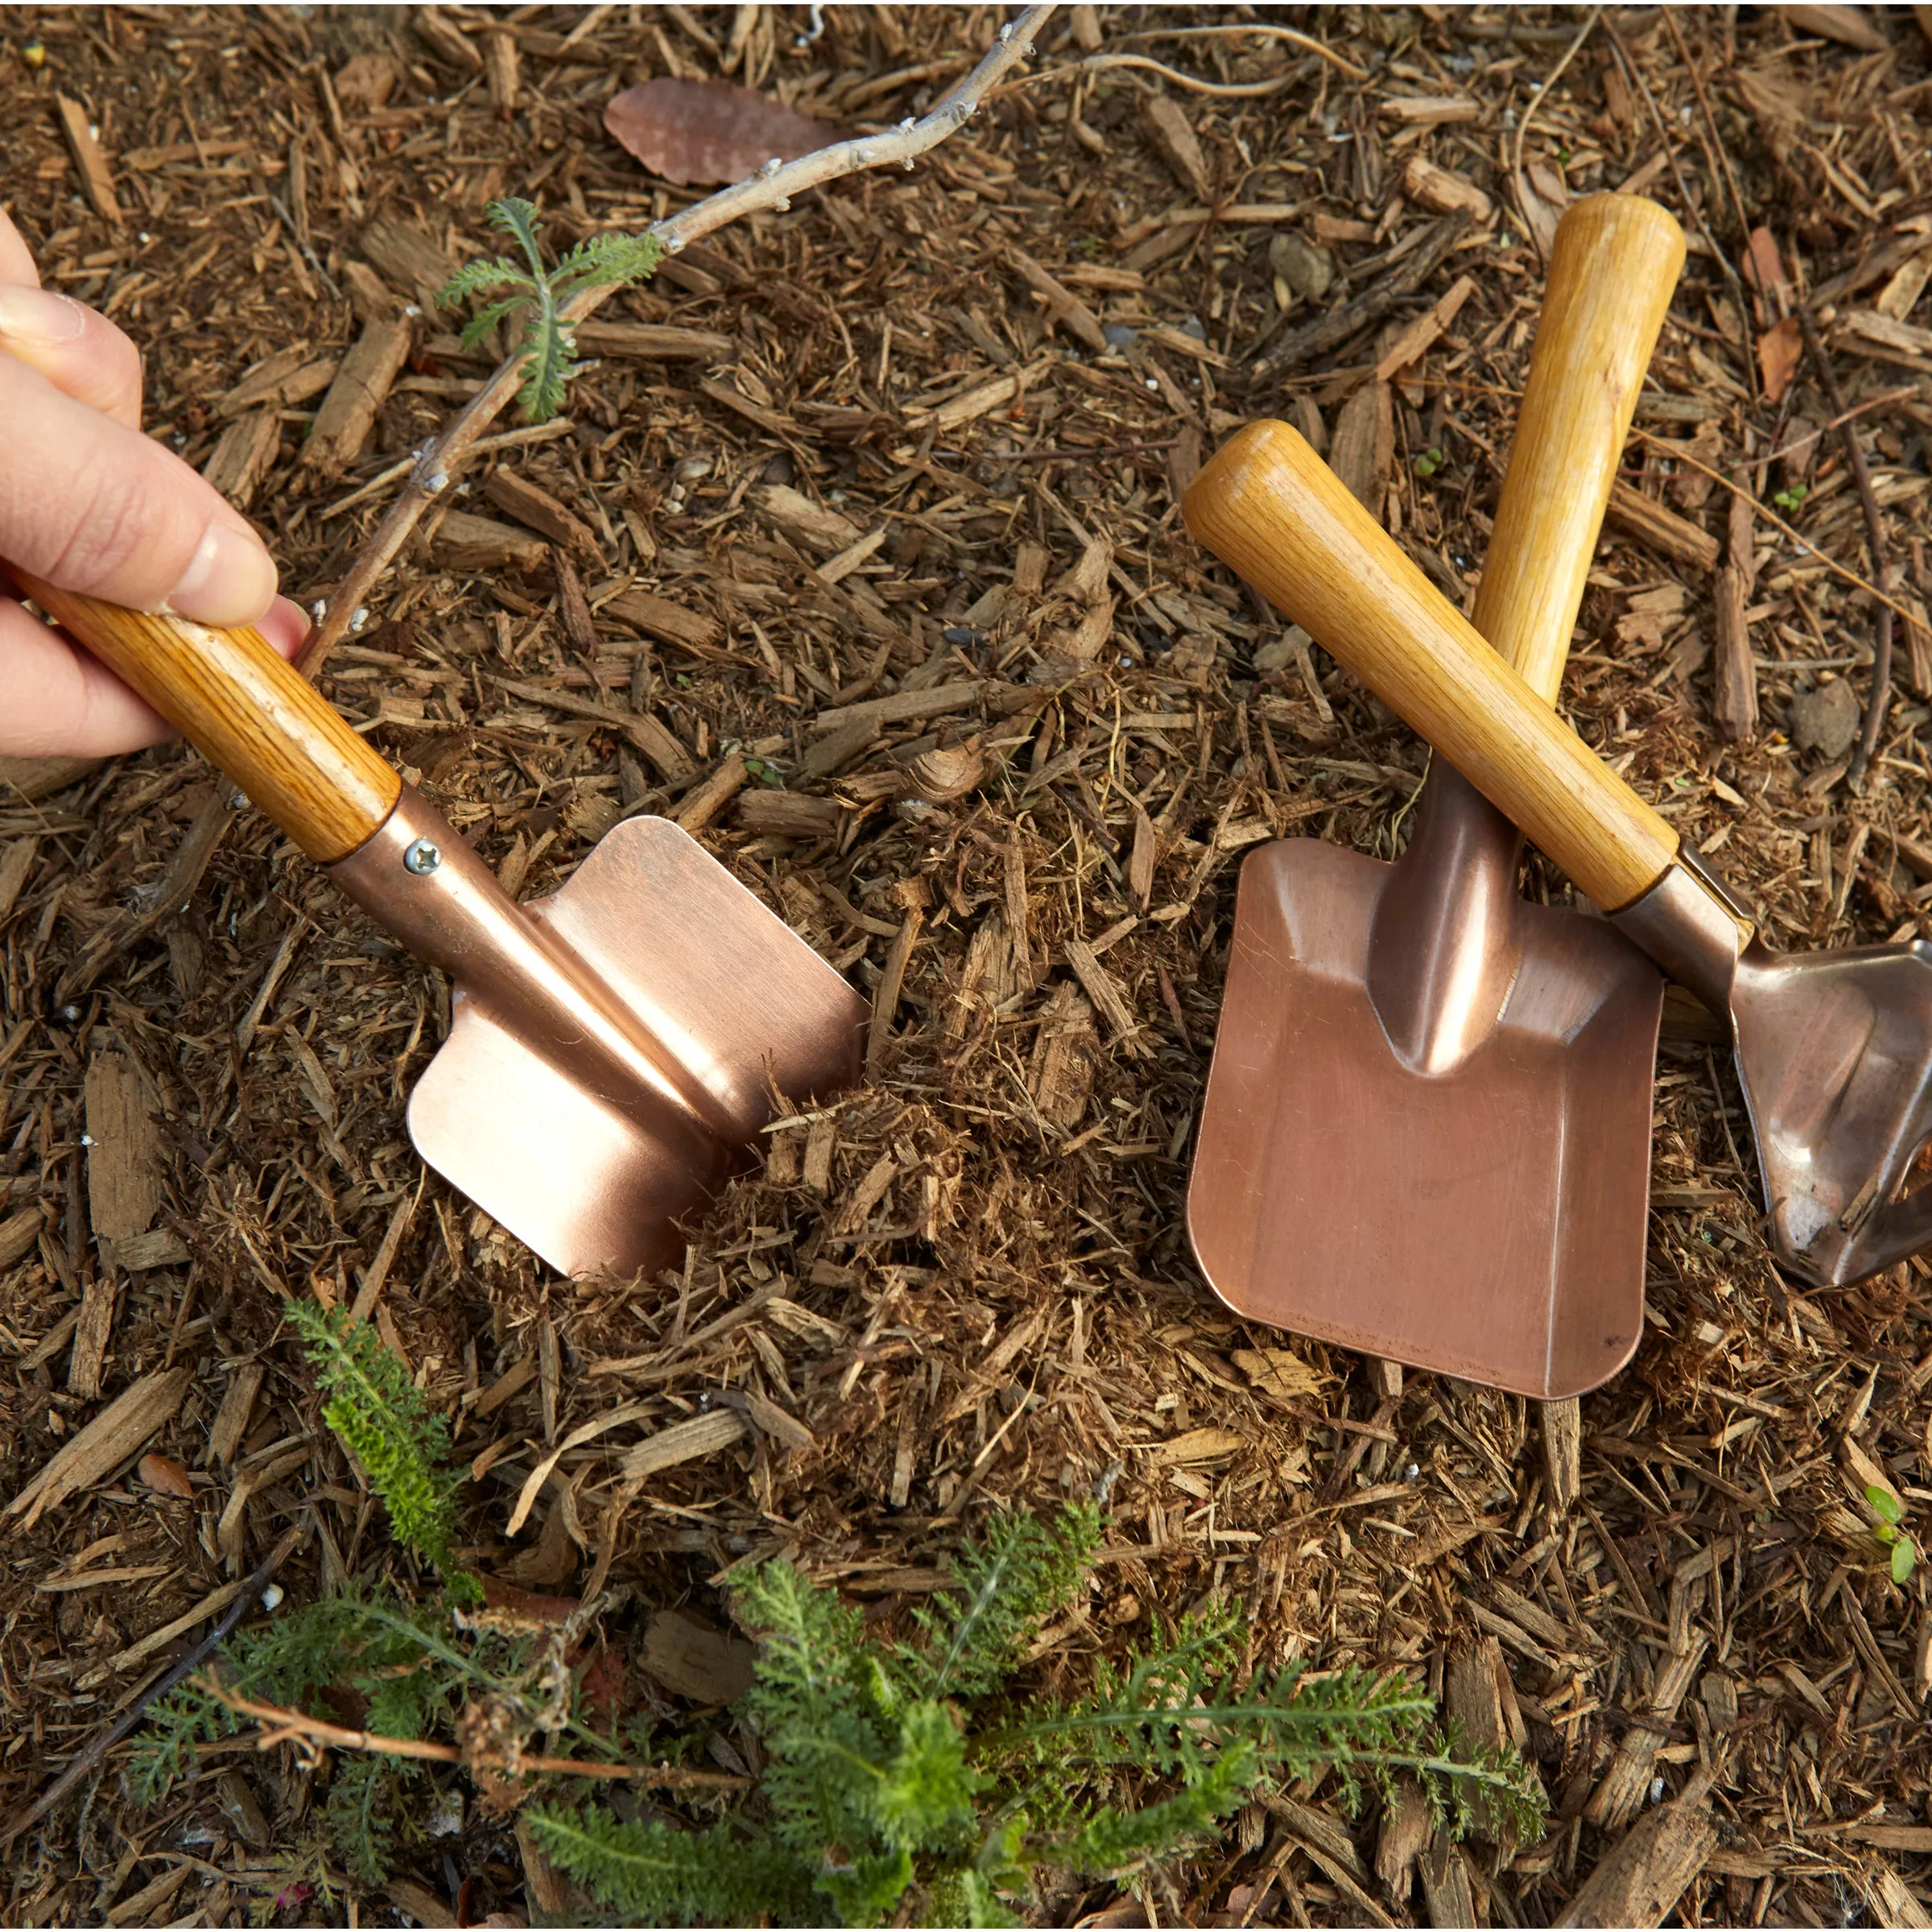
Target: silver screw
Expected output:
[422,858]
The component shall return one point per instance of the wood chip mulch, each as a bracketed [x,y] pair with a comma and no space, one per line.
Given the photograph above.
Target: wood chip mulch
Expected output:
[859,551]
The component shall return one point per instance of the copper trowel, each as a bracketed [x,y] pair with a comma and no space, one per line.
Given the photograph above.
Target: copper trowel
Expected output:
[1427,1132]
[1833,1049]
[613,1049]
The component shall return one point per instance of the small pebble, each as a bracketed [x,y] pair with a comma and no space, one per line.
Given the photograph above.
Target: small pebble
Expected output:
[1826,720]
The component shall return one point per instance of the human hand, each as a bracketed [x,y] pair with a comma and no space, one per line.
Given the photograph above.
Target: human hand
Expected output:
[90,504]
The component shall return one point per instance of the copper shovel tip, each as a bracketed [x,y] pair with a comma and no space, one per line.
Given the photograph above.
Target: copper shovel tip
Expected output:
[616,1049]
[1450,1169]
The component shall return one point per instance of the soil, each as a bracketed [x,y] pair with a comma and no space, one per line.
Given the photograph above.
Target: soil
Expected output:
[968,1283]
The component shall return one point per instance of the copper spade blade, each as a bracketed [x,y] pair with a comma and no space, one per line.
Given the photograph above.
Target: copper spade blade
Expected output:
[1427,1132]
[614,1048]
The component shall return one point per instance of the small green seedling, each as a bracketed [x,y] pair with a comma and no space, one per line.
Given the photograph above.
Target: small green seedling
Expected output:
[549,351]
[1904,1551]
[1788,500]
[1430,461]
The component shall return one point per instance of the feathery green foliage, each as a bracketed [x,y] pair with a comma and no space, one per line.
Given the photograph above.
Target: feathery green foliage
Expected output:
[389,1665]
[914,1769]
[549,351]
[893,1773]
[385,1422]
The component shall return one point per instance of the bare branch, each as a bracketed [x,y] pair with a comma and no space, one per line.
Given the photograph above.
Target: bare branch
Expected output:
[772,186]
[280,1726]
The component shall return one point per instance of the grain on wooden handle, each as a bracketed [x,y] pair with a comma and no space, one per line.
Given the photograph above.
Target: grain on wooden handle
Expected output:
[1611,273]
[241,703]
[1268,507]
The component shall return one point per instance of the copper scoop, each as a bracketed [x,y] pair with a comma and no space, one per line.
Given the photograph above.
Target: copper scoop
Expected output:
[613,1048]
[1834,1049]
[1477,1066]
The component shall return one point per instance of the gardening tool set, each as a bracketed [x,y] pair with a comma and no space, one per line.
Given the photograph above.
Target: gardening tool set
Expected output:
[1426,1130]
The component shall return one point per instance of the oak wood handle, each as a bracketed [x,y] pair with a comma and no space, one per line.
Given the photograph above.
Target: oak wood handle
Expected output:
[1613,271]
[1269,508]
[240,702]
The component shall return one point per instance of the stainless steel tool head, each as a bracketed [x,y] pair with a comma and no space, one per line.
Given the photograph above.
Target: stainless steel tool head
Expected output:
[1834,1054]
[1426,1130]
[615,1047]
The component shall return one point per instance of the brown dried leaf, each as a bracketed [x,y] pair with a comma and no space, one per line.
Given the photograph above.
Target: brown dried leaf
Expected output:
[1849,26]
[707,133]
[1278,1371]
[164,1475]
[1780,350]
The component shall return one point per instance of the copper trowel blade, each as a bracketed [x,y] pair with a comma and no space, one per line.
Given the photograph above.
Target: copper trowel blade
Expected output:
[746,1003]
[1487,1222]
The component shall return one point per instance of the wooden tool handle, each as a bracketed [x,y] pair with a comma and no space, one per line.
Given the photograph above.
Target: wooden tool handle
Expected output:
[1617,260]
[1269,508]
[239,702]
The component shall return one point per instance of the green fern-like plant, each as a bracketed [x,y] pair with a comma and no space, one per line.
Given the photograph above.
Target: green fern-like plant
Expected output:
[548,349]
[387,1423]
[913,1768]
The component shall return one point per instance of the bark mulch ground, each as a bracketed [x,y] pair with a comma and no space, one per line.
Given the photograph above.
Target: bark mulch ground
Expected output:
[903,484]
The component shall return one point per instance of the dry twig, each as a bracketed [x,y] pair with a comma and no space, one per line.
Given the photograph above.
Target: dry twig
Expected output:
[281,1726]
[770,187]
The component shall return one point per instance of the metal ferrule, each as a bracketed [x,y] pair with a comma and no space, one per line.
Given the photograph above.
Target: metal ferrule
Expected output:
[1688,923]
[421,882]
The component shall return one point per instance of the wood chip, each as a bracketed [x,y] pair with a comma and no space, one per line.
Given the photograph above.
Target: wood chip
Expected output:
[1734,673]
[467,542]
[517,497]
[92,1333]
[408,258]
[230,1425]
[706,1434]
[1199,1446]
[1661,529]
[786,815]
[1430,111]
[121,1430]
[654,739]
[654,342]
[659,618]
[361,387]
[20,1234]
[694,1660]
[1063,306]
[1849,26]
[1109,1000]
[97,177]
[1639,1882]
[1362,452]
[1173,135]
[279,381]
[1424,330]
[704,802]
[241,460]
[124,1157]
[1442,190]
[796,514]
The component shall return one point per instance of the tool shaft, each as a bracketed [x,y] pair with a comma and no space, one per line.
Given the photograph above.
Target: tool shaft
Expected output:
[238,701]
[1612,270]
[1269,508]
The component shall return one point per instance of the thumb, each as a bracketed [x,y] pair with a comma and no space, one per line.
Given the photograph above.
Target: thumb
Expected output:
[93,506]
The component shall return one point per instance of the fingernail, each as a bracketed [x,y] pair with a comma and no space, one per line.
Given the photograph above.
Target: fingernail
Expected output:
[229,579]
[37,315]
